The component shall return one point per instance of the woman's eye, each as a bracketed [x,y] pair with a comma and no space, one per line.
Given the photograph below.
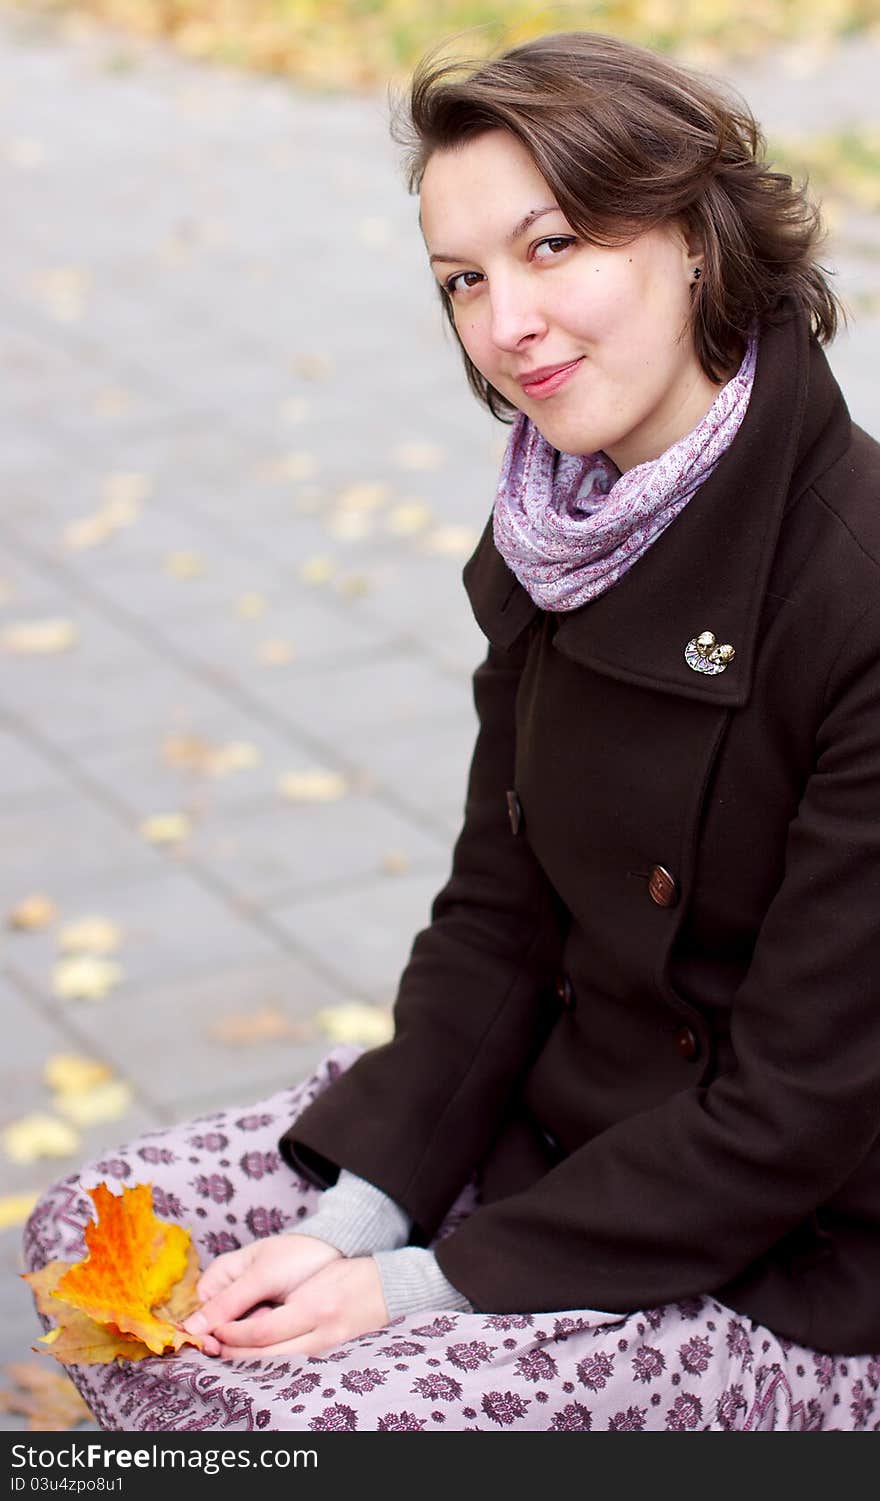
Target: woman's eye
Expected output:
[450,284]
[554,240]
[563,240]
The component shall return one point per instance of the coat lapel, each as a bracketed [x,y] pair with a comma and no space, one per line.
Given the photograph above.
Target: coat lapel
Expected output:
[708,571]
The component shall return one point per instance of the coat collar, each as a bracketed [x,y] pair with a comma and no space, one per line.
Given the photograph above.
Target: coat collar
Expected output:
[708,571]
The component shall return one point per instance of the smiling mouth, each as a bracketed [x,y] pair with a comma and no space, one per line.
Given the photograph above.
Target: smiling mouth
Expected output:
[551,383]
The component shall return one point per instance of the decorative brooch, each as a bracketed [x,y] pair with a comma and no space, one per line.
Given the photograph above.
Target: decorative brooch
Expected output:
[703,653]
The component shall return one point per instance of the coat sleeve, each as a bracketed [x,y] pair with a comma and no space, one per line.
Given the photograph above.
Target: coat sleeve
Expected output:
[475,1000]
[685,1198]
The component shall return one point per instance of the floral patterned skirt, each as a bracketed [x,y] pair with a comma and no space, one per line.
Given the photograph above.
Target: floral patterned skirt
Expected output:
[689,1366]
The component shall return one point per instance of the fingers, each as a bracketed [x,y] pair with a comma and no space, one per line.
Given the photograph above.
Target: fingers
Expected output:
[223,1270]
[313,1343]
[240,1294]
[266,1326]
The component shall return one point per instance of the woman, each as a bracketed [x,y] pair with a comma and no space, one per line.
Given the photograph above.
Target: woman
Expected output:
[619,1166]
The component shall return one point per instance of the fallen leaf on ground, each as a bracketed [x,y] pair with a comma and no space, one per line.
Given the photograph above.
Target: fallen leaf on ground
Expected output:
[194,753]
[184,565]
[317,786]
[365,495]
[350,526]
[409,517]
[313,366]
[317,570]
[72,1073]
[265,1025]
[32,913]
[86,977]
[356,1022]
[38,1135]
[90,935]
[103,1102]
[275,652]
[418,455]
[450,541]
[292,466]
[128,1296]
[15,1208]
[39,637]
[112,401]
[395,863]
[353,584]
[249,606]
[126,486]
[165,828]
[47,1398]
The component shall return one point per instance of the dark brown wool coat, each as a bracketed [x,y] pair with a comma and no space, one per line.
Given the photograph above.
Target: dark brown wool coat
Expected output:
[663,1099]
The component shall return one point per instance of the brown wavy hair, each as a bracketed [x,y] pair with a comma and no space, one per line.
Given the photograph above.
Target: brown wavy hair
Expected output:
[627,140]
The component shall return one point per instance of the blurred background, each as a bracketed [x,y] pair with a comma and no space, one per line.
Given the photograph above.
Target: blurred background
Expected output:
[241,472]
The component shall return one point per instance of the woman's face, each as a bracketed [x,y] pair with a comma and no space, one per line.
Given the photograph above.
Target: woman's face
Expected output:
[546,298]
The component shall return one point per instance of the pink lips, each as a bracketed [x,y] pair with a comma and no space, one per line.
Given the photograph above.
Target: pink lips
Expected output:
[551,382]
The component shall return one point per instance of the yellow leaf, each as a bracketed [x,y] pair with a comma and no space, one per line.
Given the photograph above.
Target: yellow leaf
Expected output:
[85,977]
[249,606]
[238,755]
[395,862]
[293,466]
[317,570]
[269,1024]
[47,1398]
[15,1208]
[355,1022]
[409,517]
[76,1339]
[353,584]
[364,496]
[88,531]
[90,935]
[184,565]
[313,366]
[133,1263]
[38,1135]
[350,526]
[39,637]
[451,541]
[165,828]
[194,753]
[276,652]
[126,486]
[36,911]
[113,401]
[416,455]
[103,1102]
[71,1073]
[317,786]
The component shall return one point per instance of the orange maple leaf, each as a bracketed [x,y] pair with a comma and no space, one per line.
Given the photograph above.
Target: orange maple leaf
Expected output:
[128,1296]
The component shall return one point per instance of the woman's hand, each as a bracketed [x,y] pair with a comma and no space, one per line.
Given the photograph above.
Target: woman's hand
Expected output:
[322,1299]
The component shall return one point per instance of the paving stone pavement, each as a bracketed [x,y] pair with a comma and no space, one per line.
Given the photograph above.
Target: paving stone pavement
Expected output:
[214,302]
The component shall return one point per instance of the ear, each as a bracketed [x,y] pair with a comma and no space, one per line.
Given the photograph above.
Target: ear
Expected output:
[689,239]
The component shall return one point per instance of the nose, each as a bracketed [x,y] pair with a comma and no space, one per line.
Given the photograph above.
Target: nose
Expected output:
[516,313]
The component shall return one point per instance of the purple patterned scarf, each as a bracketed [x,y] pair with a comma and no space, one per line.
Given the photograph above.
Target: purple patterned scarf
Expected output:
[570,525]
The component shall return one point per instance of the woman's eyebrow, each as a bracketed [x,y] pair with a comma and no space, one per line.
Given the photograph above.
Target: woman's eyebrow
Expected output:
[518,229]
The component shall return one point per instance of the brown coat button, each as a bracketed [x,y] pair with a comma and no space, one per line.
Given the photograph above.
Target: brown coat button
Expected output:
[515,812]
[662,887]
[688,1043]
[565,991]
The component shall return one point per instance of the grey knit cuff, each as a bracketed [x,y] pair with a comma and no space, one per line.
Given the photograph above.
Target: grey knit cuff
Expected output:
[412,1280]
[357,1218]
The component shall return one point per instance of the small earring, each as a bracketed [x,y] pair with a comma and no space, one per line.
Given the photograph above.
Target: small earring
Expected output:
[697,273]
